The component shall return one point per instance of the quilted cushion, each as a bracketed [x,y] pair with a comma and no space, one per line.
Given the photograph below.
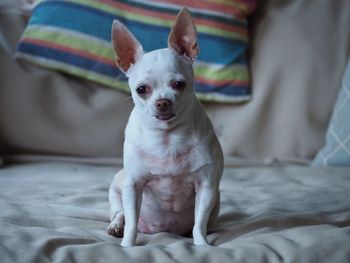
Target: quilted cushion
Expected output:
[73,36]
[337,148]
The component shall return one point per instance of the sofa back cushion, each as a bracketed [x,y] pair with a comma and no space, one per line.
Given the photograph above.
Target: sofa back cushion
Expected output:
[298,57]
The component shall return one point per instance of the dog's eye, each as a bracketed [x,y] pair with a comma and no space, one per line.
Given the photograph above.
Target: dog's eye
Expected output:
[178,85]
[143,90]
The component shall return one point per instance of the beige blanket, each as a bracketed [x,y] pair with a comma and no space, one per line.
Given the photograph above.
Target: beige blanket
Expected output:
[56,212]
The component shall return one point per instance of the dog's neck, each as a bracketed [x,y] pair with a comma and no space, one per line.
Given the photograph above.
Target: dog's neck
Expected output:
[165,139]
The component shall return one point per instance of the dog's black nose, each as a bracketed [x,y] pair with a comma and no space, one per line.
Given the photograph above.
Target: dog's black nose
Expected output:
[163,105]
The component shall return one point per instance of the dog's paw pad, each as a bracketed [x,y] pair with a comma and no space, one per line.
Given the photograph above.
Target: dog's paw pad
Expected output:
[116,231]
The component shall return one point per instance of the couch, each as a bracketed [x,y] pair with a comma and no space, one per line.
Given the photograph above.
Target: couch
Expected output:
[61,143]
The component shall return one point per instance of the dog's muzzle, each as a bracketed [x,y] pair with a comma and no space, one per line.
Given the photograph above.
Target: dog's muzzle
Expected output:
[164,109]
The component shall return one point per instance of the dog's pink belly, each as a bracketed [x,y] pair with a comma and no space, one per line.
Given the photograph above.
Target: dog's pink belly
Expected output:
[161,221]
[168,206]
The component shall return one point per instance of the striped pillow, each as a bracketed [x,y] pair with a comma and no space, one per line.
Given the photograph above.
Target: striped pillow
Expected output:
[73,36]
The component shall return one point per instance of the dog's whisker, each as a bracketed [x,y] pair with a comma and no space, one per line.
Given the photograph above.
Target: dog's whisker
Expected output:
[127,98]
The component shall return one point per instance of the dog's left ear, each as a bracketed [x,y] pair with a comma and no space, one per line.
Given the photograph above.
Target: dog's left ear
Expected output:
[183,35]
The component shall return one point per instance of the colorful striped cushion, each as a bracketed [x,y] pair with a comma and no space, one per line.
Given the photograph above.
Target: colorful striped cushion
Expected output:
[73,36]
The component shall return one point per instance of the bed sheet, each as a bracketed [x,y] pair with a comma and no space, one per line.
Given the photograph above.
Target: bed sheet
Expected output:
[58,212]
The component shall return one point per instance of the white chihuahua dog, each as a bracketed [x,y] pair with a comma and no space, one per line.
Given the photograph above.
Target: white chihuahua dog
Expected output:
[173,161]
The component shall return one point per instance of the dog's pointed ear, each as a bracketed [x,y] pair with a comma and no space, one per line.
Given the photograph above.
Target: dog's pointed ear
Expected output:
[126,47]
[183,35]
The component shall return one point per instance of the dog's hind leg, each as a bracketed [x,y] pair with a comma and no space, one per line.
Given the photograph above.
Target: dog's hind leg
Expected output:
[116,226]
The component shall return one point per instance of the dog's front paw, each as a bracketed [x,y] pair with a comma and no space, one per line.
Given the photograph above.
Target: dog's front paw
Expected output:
[116,227]
[199,239]
[115,230]
[127,243]
[201,242]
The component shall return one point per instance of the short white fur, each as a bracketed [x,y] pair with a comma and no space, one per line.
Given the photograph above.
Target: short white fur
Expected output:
[173,161]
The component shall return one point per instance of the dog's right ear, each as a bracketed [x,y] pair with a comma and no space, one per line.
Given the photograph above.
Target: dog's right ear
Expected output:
[127,48]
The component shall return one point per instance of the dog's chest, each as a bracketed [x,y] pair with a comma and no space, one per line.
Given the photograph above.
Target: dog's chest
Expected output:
[169,165]
[168,158]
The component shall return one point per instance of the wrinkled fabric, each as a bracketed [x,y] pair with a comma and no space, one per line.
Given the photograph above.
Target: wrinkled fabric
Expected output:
[58,212]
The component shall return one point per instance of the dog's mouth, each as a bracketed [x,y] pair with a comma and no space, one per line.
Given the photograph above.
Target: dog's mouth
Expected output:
[165,116]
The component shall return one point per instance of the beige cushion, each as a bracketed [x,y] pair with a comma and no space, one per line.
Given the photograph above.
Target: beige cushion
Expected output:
[299,52]
[44,112]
